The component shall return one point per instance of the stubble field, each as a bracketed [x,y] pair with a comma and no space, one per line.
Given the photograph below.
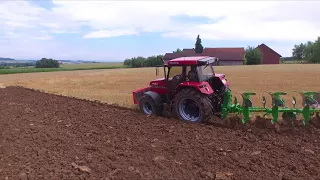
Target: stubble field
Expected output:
[44,136]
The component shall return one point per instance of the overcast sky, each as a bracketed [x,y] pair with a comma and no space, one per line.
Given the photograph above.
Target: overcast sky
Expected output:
[107,30]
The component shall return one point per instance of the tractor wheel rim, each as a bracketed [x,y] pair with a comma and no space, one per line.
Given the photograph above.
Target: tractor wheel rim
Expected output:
[189,110]
[147,108]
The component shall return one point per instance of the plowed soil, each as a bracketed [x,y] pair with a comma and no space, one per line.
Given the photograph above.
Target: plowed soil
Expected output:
[44,136]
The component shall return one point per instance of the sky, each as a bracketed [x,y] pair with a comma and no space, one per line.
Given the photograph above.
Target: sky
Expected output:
[116,30]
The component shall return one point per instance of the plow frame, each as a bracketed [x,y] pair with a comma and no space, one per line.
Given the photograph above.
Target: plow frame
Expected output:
[310,106]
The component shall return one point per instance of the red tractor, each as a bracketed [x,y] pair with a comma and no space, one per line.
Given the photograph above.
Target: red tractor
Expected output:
[190,90]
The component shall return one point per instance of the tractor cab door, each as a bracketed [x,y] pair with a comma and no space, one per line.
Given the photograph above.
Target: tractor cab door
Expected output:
[176,75]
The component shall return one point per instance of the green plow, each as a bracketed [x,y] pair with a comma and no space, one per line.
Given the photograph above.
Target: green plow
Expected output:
[310,108]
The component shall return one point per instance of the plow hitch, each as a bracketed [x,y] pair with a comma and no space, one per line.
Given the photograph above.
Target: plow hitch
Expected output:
[310,108]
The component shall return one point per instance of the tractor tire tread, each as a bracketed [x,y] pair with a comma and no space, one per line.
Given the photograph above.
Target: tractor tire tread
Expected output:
[201,99]
[155,110]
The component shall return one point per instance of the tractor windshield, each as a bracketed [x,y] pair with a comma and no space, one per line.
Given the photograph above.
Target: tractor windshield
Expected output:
[205,72]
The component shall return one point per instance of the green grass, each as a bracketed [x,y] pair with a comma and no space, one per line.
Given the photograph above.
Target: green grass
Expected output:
[92,65]
[63,67]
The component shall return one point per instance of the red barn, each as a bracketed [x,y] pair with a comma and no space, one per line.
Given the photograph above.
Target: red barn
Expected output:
[269,56]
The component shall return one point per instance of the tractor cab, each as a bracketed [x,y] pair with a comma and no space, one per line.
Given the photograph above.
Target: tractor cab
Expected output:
[192,69]
[188,71]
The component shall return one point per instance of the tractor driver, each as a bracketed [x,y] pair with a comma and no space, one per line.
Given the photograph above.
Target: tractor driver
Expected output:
[192,74]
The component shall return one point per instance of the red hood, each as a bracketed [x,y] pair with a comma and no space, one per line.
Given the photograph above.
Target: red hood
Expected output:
[158,82]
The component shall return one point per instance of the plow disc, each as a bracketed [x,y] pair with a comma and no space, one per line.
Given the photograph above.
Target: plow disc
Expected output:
[311,107]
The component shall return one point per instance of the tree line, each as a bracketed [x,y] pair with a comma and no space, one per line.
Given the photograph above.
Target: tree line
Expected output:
[140,61]
[5,64]
[309,51]
[42,63]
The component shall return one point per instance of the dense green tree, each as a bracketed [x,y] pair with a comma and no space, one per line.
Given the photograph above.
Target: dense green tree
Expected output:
[151,61]
[198,45]
[253,56]
[47,63]
[177,51]
[298,51]
[310,52]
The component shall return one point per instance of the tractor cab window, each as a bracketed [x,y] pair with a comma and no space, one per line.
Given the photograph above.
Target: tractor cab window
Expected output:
[175,71]
[192,73]
[205,72]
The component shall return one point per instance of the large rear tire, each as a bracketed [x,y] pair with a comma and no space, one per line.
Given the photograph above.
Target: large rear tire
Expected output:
[148,106]
[190,105]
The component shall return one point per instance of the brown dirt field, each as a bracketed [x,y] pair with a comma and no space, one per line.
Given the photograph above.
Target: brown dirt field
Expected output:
[44,136]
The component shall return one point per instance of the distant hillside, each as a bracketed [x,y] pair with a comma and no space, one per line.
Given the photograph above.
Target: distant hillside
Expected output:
[77,61]
[7,59]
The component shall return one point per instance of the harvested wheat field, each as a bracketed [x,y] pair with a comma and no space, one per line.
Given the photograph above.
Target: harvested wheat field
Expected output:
[45,136]
[115,86]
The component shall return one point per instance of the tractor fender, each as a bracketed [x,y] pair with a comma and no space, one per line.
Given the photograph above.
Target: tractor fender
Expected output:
[155,96]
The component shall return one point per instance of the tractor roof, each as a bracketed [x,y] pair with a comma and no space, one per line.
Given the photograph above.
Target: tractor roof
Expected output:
[194,60]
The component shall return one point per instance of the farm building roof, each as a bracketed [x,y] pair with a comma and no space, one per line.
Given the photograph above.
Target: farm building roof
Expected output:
[231,54]
[269,48]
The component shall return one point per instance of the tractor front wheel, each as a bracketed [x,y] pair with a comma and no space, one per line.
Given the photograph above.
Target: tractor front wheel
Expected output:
[190,105]
[148,106]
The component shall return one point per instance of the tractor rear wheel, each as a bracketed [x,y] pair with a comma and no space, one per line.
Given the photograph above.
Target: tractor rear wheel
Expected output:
[191,105]
[148,106]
